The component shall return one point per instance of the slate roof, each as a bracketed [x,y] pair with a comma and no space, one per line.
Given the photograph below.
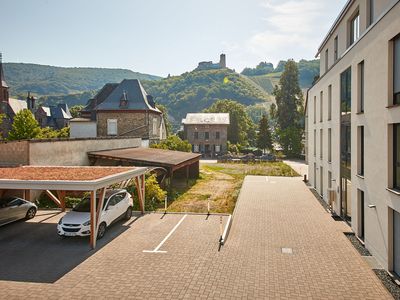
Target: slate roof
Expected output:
[16,105]
[61,111]
[101,96]
[130,90]
[206,118]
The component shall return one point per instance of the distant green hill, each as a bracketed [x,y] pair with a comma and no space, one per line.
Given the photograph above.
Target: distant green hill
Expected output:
[197,90]
[48,80]
[267,78]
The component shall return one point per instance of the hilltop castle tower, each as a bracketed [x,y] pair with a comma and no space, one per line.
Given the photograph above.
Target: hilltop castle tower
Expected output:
[222,61]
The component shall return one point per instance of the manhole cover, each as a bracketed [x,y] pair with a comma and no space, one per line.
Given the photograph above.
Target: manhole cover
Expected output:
[287,250]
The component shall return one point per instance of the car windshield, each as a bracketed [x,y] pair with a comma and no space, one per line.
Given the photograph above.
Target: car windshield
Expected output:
[84,205]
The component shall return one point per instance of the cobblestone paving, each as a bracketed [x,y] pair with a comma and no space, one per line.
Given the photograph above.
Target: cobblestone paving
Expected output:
[272,213]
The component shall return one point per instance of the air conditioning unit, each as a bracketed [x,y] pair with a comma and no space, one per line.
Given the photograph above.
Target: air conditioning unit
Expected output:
[331,197]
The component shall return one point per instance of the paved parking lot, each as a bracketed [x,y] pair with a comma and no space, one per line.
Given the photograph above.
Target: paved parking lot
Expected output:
[282,245]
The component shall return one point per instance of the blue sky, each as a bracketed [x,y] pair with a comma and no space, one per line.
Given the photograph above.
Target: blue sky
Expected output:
[162,36]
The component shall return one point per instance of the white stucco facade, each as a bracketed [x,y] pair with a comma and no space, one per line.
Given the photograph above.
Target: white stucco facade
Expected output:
[370,61]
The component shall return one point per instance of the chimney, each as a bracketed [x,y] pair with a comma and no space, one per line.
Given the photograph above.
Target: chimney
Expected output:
[30,102]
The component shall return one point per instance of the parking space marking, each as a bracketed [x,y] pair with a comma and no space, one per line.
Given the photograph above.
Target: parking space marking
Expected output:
[156,250]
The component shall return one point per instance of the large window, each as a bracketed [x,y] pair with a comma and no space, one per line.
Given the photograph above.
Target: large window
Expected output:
[206,135]
[329,145]
[361,87]
[321,107]
[315,109]
[354,29]
[321,143]
[315,142]
[217,135]
[361,150]
[329,102]
[345,91]
[396,156]
[396,71]
[336,49]
[326,60]
[370,11]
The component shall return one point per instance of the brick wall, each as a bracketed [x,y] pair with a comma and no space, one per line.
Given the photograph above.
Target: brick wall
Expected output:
[130,124]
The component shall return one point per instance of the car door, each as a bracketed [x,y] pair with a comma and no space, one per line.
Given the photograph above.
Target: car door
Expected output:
[111,211]
[14,209]
[4,217]
[120,203]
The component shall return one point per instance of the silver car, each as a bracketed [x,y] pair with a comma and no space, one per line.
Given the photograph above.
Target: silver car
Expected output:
[14,208]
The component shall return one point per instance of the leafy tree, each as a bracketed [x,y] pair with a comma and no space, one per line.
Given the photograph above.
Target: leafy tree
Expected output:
[173,142]
[262,68]
[24,126]
[76,110]
[50,133]
[241,128]
[264,139]
[289,100]
[2,117]
[167,123]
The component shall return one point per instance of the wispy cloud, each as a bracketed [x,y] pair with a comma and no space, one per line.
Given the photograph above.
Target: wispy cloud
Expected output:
[293,29]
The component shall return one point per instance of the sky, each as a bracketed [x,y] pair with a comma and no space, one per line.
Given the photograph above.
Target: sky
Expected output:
[162,37]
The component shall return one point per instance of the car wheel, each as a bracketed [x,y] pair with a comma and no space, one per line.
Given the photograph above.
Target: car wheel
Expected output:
[31,213]
[128,214]
[102,230]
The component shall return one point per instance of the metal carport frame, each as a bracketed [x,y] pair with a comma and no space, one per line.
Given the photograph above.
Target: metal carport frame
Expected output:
[92,179]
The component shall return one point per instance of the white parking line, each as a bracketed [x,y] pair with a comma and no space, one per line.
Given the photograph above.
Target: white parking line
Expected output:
[156,250]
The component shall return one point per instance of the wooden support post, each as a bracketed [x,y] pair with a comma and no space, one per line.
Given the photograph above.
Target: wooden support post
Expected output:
[139,183]
[143,192]
[27,195]
[187,175]
[61,197]
[99,210]
[93,214]
[53,198]
[2,193]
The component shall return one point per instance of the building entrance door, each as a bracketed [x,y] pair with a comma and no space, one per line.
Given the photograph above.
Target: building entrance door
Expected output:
[345,197]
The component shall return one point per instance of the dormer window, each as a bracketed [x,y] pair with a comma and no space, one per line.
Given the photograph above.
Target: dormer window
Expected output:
[123,101]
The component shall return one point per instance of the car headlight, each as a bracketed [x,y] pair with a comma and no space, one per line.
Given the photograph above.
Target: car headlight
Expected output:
[60,222]
[87,223]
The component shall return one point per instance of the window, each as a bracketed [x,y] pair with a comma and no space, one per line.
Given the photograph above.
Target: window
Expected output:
[329,179]
[206,135]
[195,148]
[335,49]
[112,128]
[370,12]
[354,29]
[196,135]
[361,150]
[217,135]
[321,107]
[315,142]
[396,71]
[326,60]
[329,102]
[217,148]
[396,156]
[361,222]
[345,91]
[315,109]
[329,145]
[361,87]
[154,126]
[321,143]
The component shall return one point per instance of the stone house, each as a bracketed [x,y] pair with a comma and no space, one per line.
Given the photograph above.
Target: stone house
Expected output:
[123,109]
[56,117]
[207,132]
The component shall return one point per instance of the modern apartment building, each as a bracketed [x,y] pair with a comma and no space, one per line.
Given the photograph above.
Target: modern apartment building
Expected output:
[353,125]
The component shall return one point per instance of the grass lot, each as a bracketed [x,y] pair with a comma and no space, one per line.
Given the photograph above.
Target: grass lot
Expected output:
[221,183]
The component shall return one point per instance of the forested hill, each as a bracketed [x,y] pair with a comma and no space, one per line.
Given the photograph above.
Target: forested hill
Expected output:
[48,80]
[197,90]
[266,76]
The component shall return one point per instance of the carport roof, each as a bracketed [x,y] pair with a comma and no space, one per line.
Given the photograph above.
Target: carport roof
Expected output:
[65,178]
[149,156]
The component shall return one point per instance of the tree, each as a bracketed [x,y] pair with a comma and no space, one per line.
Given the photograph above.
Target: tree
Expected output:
[2,117]
[24,126]
[164,110]
[173,142]
[50,133]
[76,110]
[241,128]
[264,139]
[289,100]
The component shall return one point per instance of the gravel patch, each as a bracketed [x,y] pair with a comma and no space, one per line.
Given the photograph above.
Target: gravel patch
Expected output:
[388,282]
[357,244]
[320,200]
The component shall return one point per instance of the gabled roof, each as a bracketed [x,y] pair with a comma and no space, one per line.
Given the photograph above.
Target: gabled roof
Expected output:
[17,105]
[130,90]
[46,110]
[206,118]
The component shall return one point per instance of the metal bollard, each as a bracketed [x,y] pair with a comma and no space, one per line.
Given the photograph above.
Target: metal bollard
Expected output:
[166,204]
[305,178]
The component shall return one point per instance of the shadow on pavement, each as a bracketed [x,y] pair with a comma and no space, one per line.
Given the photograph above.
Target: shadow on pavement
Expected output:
[33,252]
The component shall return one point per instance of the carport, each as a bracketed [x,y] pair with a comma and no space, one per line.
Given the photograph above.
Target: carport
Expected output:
[186,163]
[61,179]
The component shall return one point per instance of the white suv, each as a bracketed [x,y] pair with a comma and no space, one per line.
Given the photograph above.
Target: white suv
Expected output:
[117,204]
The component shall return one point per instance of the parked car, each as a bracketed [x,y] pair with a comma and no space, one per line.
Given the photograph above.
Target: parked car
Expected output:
[268,157]
[14,208]
[117,204]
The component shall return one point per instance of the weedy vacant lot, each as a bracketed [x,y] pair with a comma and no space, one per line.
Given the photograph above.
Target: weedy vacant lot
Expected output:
[220,184]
